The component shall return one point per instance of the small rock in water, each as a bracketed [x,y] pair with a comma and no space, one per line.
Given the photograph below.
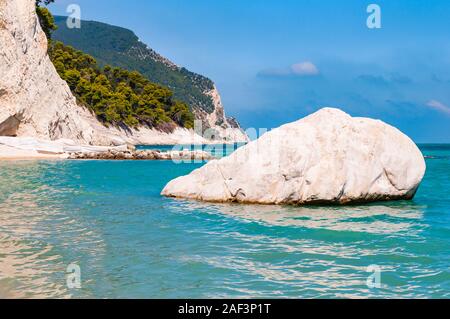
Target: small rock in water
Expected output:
[142,155]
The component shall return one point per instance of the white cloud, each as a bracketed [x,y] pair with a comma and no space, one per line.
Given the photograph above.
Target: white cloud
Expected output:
[306,68]
[438,106]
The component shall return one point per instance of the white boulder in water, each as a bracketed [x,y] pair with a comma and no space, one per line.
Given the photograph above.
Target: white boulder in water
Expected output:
[328,157]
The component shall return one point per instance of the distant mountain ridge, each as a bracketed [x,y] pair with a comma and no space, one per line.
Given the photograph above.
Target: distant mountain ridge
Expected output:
[117,46]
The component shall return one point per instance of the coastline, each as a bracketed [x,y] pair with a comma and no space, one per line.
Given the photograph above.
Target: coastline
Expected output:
[13,154]
[180,136]
[29,148]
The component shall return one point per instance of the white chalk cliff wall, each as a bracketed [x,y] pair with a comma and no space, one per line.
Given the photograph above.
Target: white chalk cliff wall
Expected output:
[223,128]
[34,100]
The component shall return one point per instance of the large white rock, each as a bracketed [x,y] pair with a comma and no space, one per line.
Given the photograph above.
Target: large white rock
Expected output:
[327,157]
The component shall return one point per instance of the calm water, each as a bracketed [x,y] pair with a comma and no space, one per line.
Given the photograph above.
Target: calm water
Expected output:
[108,218]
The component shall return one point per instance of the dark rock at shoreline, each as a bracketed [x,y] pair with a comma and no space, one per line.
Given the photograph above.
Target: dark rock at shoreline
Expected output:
[142,155]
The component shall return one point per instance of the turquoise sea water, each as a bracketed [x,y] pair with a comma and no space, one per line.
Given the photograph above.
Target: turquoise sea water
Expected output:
[108,218]
[217,150]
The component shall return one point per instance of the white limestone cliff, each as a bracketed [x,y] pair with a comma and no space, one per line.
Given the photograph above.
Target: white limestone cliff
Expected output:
[225,129]
[35,102]
[327,157]
[217,120]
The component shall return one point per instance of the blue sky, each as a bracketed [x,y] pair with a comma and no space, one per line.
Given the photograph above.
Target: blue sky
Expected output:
[277,61]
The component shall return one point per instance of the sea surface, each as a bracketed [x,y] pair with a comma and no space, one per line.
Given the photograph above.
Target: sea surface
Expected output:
[217,150]
[104,226]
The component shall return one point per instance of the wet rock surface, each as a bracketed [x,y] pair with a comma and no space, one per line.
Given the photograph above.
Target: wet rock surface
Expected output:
[142,155]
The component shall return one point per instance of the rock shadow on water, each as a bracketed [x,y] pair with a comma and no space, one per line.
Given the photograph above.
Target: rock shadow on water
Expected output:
[389,218]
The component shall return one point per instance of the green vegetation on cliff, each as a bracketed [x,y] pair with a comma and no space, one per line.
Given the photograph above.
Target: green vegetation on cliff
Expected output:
[118,96]
[112,45]
[45,17]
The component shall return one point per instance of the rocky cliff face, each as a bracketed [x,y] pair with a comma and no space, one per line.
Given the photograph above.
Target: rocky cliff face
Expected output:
[206,104]
[34,101]
[121,47]
[221,127]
